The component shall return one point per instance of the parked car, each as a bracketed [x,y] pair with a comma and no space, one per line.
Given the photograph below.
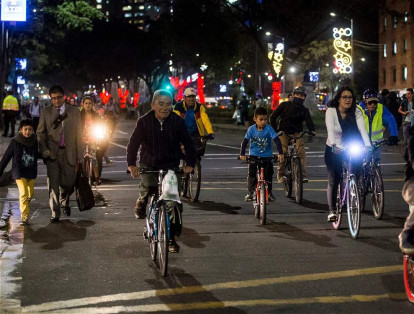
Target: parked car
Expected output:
[321,101]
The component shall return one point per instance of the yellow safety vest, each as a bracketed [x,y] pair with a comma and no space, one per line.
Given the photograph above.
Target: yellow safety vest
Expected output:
[376,126]
[10,103]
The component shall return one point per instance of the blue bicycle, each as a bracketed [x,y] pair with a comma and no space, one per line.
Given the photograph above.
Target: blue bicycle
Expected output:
[157,227]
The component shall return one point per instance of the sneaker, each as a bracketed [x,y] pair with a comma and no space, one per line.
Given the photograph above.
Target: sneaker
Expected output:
[24,222]
[406,238]
[248,197]
[305,180]
[280,180]
[139,214]
[173,247]
[332,216]
[272,198]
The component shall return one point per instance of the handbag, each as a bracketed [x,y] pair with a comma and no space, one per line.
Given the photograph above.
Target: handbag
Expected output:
[83,191]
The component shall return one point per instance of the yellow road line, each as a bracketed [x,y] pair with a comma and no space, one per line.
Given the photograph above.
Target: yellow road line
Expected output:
[51,306]
[172,307]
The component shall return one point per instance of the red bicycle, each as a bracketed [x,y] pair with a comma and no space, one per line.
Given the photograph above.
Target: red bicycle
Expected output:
[409,276]
[262,192]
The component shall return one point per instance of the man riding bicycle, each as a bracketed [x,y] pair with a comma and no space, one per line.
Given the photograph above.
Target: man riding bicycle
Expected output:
[292,114]
[376,116]
[159,135]
[194,115]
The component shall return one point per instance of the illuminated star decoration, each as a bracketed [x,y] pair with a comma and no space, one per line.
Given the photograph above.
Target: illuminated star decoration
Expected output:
[343,47]
[277,57]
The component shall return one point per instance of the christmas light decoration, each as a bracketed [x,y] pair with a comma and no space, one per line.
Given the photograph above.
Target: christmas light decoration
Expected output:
[343,48]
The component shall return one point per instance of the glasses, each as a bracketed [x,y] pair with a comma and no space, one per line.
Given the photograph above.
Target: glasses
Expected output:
[56,98]
[347,97]
[190,96]
[372,102]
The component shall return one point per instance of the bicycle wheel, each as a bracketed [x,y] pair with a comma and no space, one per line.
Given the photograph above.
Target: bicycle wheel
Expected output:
[256,204]
[338,208]
[298,180]
[87,168]
[262,203]
[353,207]
[409,277]
[362,190]
[287,179]
[377,194]
[184,185]
[162,240]
[151,235]
[195,182]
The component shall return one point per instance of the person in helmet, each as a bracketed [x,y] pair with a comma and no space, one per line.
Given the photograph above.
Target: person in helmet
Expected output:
[376,117]
[291,115]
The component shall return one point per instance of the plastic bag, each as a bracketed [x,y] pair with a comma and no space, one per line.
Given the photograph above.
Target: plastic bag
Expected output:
[170,187]
[235,114]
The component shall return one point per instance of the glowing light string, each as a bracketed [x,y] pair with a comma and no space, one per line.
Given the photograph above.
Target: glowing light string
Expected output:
[343,47]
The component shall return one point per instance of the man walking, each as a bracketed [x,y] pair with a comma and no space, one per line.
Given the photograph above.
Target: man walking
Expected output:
[60,141]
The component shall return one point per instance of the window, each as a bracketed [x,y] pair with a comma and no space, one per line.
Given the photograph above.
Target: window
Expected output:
[128,15]
[394,48]
[385,50]
[99,6]
[404,72]
[385,24]
[405,17]
[384,76]
[394,75]
[127,8]
[394,22]
[98,1]
[405,41]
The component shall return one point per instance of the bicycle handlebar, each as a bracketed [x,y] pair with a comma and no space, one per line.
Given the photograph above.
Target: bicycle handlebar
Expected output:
[146,171]
[260,160]
[292,137]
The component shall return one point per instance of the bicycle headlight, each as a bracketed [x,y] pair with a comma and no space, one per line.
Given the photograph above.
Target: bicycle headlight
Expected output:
[99,131]
[355,149]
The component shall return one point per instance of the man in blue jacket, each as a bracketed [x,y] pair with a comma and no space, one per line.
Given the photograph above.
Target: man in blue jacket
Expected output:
[376,117]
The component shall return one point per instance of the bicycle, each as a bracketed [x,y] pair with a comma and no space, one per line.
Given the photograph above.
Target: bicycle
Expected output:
[409,276]
[370,181]
[262,191]
[89,159]
[293,168]
[157,224]
[191,182]
[348,192]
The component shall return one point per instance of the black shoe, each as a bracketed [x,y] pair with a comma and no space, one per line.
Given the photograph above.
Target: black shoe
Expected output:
[66,210]
[173,247]
[52,220]
[406,239]
[4,135]
[305,180]
[24,222]
[11,135]
[139,214]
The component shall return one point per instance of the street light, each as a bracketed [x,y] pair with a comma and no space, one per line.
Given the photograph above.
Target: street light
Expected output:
[333,14]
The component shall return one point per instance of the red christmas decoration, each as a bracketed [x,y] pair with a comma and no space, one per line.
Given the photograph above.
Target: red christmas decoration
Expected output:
[122,97]
[276,87]
[136,98]
[105,97]
[200,89]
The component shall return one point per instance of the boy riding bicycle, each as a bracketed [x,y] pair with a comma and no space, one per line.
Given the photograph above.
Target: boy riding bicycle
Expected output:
[260,136]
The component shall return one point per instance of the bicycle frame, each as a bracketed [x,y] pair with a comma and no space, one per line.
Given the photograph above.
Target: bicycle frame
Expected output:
[261,179]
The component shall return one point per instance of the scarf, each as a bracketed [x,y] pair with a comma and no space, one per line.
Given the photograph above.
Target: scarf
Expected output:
[26,141]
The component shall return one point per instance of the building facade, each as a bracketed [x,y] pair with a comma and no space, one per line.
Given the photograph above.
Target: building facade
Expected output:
[396,44]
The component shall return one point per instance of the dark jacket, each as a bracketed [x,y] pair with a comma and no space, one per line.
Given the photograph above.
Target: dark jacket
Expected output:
[160,142]
[291,118]
[24,164]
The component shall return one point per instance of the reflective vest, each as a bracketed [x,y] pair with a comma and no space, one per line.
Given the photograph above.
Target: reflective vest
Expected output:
[375,129]
[10,103]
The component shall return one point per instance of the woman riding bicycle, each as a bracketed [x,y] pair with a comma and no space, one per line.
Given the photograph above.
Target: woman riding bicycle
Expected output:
[92,123]
[345,124]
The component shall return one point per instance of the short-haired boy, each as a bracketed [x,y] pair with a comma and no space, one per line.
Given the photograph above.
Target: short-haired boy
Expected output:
[23,149]
[260,136]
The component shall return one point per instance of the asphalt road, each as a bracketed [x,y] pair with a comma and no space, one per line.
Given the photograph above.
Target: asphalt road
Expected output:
[97,261]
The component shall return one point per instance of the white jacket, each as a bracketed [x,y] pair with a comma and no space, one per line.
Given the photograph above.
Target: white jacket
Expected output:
[335,130]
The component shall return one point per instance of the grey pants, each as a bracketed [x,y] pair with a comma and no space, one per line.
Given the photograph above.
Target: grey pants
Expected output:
[148,186]
[60,181]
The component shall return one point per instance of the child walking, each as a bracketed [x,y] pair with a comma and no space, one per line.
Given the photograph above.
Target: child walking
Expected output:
[260,136]
[23,149]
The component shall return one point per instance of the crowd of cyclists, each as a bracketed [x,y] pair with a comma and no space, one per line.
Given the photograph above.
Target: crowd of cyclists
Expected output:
[170,133]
